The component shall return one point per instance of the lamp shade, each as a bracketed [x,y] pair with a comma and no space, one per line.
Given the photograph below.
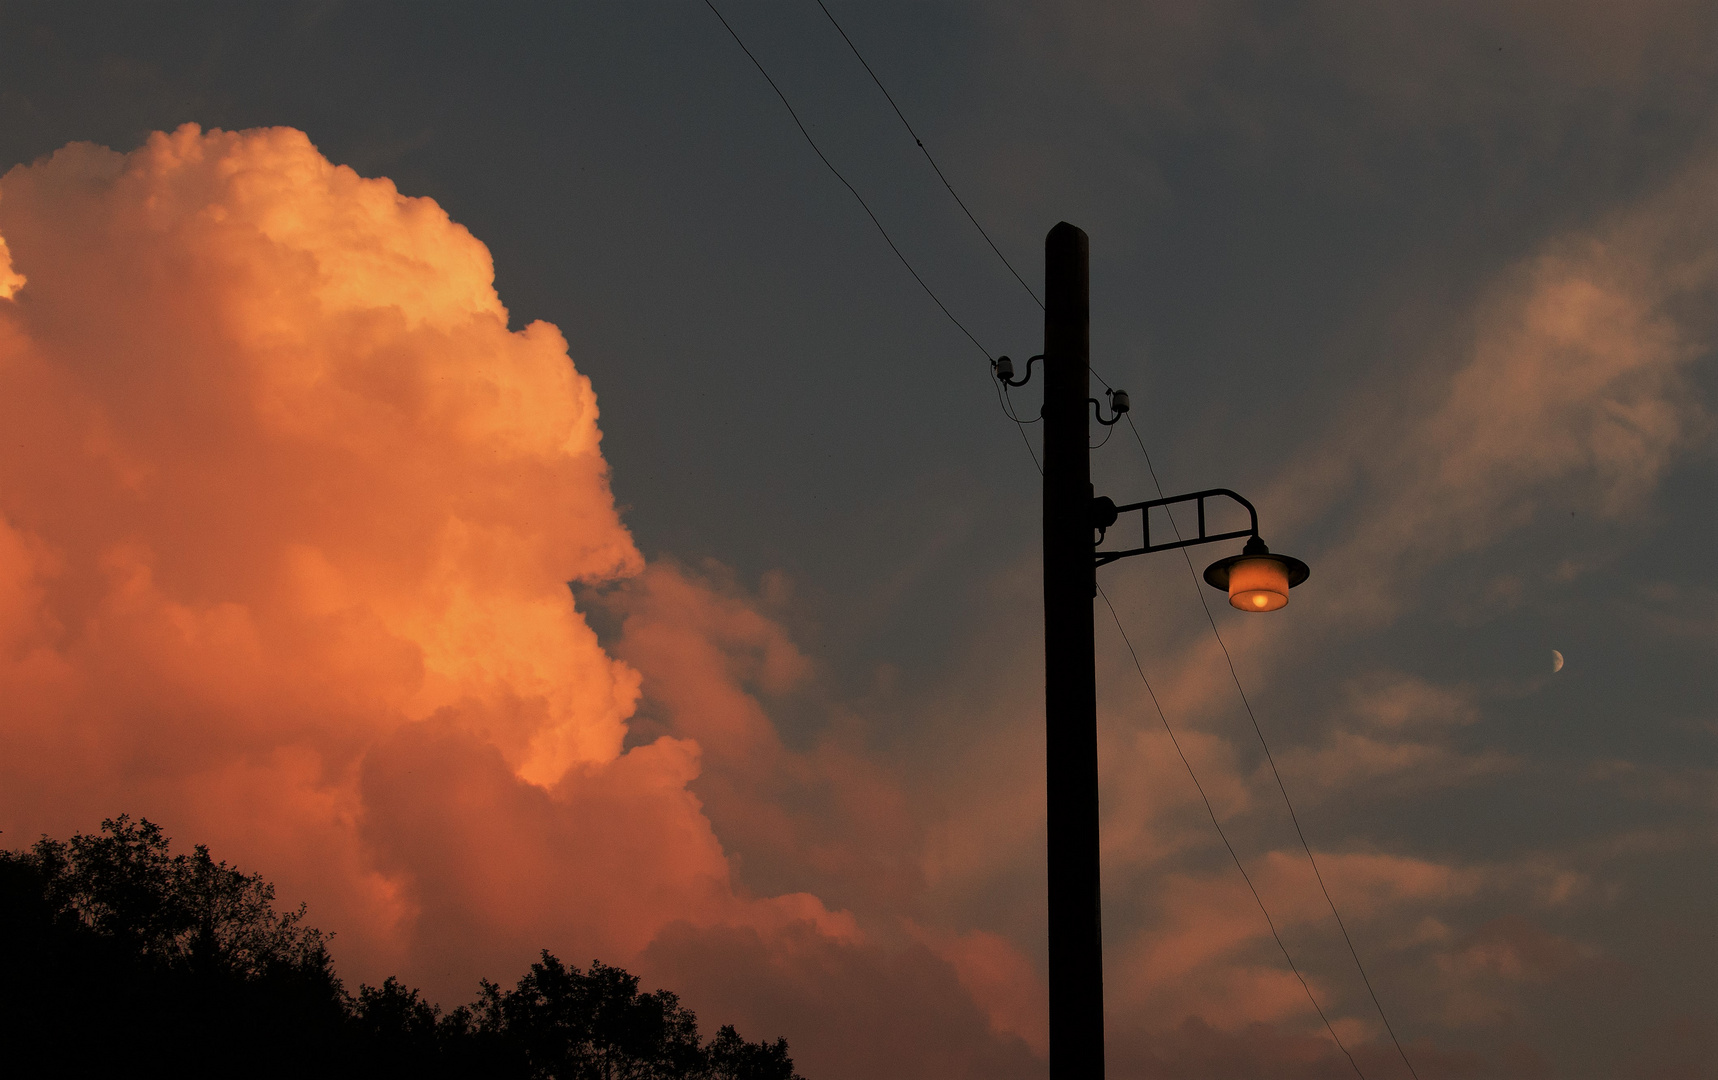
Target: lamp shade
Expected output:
[1258,585]
[1256,579]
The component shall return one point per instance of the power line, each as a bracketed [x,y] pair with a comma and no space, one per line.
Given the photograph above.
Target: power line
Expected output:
[868,213]
[1018,423]
[1021,425]
[1269,758]
[923,149]
[1011,410]
[1209,809]
[1225,836]
[1192,775]
[837,173]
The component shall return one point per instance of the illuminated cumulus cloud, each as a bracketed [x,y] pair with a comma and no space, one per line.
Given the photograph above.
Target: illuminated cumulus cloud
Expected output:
[287,515]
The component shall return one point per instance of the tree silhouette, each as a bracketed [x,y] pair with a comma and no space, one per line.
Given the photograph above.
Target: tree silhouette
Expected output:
[187,911]
[729,1057]
[116,955]
[595,1025]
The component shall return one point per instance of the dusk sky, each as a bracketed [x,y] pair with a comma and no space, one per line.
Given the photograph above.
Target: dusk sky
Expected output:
[475,465]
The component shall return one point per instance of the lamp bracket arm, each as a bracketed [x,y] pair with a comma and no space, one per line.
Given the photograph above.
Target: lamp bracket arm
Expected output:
[1204,537]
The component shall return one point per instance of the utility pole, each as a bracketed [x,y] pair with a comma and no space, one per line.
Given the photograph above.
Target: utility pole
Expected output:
[1070,684]
[1075,523]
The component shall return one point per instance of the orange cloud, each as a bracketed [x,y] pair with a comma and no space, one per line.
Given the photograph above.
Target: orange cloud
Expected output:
[713,664]
[1514,949]
[879,1012]
[286,517]
[1001,981]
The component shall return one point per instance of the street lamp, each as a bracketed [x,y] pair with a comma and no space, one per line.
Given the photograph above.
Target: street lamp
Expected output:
[1076,524]
[1256,580]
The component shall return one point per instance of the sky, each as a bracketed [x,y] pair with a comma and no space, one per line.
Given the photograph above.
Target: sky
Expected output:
[476,466]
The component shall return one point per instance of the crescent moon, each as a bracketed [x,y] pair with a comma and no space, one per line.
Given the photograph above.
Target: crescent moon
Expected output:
[1556,661]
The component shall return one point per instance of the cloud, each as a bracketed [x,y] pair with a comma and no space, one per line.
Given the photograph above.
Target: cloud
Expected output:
[1574,384]
[1210,953]
[1392,737]
[715,664]
[1398,702]
[286,517]
[1569,381]
[1694,787]
[1002,982]
[1195,1049]
[1348,763]
[10,280]
[1513,949]
[862,1012]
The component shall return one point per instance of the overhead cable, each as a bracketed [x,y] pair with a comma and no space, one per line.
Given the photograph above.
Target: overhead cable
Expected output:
[1271,760]
[1225,836]
[926,151]
[1021,426]
[837,173]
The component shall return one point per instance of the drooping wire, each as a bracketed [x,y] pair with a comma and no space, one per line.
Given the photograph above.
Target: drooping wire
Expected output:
[1194,776]
[1019,424]
[1001,399]
[1269,758]
[1209,809]
[1014,413]
[923,149]
[837,173]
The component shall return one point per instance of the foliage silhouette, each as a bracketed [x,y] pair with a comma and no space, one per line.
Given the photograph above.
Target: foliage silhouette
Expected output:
[118,956]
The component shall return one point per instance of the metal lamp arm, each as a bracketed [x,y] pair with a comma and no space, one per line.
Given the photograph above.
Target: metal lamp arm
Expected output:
[1105,513]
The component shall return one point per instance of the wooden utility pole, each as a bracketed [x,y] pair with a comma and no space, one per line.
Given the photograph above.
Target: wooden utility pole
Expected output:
[1070,684]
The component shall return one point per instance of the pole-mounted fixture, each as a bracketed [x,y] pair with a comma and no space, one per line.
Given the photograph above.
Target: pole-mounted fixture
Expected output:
[1118,407]
[1075,524]
[1004,369]
[1256,580]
